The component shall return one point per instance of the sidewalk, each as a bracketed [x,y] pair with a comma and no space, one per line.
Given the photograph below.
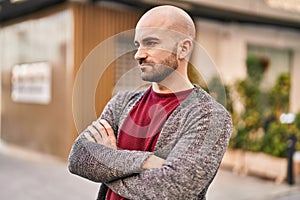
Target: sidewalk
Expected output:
[230,186]
[30,176]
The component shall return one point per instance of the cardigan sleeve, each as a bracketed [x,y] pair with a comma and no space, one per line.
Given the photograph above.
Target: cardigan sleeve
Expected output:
[191,165]
[100,163]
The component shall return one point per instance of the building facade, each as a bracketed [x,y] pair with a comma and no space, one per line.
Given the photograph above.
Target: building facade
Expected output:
[47,97]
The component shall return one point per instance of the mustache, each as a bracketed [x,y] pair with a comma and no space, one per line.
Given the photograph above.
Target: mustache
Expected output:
[144,61]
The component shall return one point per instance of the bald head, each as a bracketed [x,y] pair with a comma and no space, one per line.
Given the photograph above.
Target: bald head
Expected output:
[168,17]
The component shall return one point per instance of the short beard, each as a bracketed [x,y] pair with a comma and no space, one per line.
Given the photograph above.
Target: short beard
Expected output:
[164,69]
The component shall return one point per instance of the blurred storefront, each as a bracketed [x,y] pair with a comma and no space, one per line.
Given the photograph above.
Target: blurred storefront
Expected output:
[41,52]
[40,55]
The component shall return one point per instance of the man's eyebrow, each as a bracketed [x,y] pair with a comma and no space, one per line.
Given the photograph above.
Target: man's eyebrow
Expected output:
[149,39]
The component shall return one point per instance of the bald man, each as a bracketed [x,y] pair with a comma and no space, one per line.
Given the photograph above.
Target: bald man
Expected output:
[165,142]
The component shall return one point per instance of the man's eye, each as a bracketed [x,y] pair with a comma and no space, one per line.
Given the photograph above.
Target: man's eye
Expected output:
[151,43]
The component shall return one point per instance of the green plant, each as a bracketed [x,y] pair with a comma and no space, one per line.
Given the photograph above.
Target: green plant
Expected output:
[275,139]
[279,96]
[258,128]
[297,121]
[296,130]
[256,66]
[248,126]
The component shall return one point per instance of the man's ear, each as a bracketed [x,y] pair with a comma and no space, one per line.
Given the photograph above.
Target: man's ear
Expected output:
[184,49]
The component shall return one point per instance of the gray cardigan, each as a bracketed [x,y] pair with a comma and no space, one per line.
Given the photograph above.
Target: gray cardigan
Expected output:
[193,141]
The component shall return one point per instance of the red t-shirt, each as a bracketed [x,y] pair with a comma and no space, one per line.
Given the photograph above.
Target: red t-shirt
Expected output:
[142,126]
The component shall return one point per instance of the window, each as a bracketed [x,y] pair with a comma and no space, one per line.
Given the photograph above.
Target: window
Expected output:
[279,62]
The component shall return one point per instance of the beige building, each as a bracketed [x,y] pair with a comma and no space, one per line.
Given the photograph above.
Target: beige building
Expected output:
[43,100]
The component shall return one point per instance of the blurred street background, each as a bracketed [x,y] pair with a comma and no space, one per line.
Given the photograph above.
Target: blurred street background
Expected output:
[62,60]
[26,175]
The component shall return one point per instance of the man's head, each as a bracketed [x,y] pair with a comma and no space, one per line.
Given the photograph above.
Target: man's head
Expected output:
[164,38]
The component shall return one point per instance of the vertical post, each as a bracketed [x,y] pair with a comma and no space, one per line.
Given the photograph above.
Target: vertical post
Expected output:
[290,152]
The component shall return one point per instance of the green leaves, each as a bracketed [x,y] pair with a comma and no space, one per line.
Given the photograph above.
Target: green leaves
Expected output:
[258,127]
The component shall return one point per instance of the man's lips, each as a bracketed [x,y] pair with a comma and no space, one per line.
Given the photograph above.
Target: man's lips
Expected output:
[146,64]
[143,66]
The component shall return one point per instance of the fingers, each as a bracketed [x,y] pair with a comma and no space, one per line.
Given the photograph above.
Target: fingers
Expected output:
[94,133]
[101,132]
[108,129]
[103,129]
[88,137]
[98,135]
[98,131]
[96,125]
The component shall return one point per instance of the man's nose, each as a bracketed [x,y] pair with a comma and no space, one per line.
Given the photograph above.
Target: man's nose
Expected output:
[140,54]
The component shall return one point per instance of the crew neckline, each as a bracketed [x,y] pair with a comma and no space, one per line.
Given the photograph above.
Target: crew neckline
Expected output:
[180,93]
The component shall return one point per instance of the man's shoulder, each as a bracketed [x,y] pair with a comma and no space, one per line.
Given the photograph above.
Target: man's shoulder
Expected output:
[199,96]
[201,100]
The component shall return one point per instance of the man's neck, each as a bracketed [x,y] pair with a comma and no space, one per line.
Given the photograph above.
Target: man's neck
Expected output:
[175,82]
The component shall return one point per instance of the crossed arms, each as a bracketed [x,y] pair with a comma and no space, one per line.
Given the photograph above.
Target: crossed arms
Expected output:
[182,168]
[102,133]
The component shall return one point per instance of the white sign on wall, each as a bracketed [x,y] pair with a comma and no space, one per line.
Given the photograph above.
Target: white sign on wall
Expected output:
[31,83]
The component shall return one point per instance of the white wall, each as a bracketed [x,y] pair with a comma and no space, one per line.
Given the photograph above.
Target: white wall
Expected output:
[295,82]
[226,43]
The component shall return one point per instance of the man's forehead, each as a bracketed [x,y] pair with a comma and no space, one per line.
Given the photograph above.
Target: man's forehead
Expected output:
[141,33]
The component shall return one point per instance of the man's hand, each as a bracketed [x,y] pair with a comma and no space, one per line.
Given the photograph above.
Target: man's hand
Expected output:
[153,162]
[101,133]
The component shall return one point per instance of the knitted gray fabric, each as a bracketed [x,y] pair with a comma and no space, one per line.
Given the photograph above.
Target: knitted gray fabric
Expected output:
[193,141]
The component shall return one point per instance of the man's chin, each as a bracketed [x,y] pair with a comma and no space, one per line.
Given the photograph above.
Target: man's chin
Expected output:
[144,78]
[151,79]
